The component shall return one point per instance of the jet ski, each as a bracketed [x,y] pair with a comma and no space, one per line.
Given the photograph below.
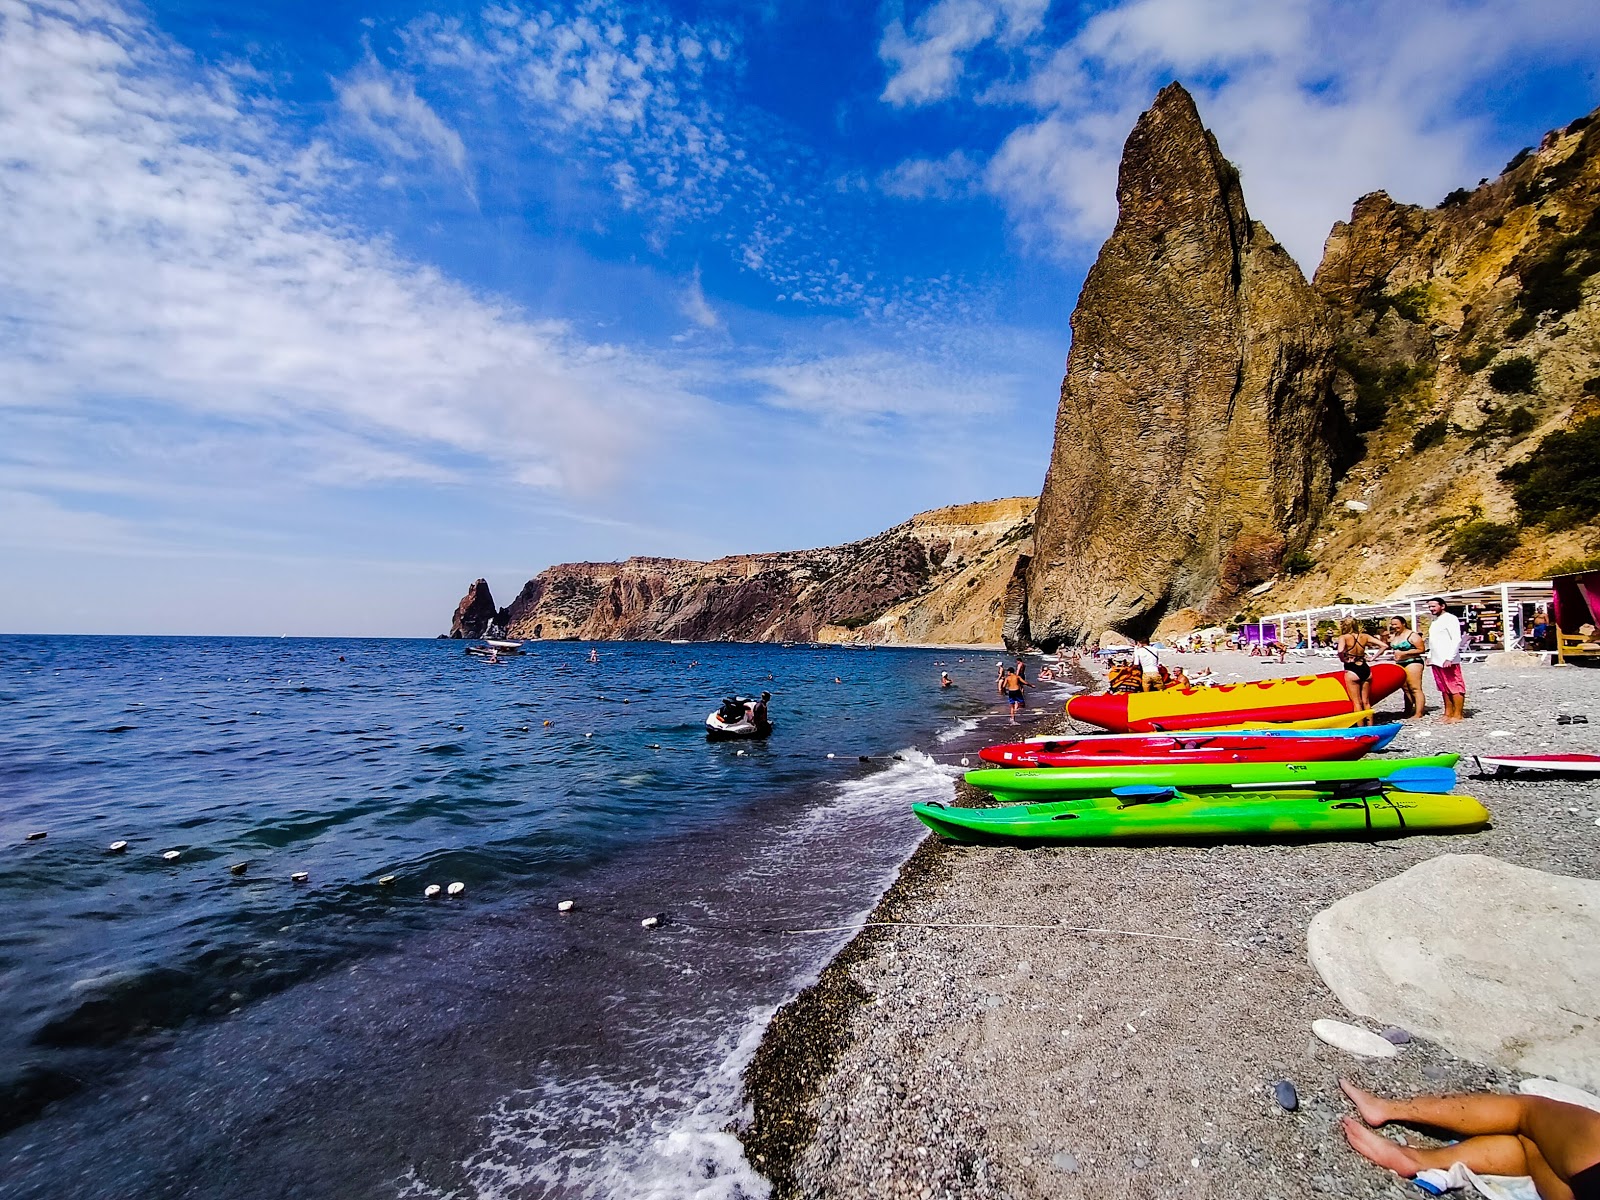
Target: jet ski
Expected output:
[736,719]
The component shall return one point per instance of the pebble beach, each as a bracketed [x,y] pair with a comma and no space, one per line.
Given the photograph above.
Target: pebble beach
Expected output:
[1112,1020]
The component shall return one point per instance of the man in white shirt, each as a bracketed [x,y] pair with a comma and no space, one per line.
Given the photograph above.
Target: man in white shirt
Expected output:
[1444,656]
[1149,665]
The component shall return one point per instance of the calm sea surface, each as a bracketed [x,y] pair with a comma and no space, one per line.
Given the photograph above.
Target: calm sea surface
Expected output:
[174,1029]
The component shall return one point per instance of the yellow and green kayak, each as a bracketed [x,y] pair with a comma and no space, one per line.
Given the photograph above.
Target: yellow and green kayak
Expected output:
[1168,813]
[1020,786]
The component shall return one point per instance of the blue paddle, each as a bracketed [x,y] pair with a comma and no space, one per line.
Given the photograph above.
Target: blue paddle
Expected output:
[1422,779]
[1402,779]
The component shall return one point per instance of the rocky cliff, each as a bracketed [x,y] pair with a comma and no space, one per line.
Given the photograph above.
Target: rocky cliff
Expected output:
[1469,333]
[1198,432]
[939,577]
[475,613]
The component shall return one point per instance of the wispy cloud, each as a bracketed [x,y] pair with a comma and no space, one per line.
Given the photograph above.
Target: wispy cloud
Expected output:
[650,107]
[875,386]
[927,61]
[694,305]
[385,108]
[1318,101]
[921,178]
[162,243]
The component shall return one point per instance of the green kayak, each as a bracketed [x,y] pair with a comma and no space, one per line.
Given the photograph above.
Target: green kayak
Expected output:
[1011,786]
[1164,813]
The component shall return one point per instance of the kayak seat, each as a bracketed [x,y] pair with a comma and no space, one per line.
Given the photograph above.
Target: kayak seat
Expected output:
[1143,793]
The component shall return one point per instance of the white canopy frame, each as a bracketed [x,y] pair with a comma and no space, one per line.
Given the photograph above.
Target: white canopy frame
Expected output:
[1509,597]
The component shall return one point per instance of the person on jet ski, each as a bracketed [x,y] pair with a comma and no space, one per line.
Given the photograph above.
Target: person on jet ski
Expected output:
[758,711]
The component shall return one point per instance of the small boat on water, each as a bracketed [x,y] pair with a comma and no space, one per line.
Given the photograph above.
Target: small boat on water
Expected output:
[736,718]
[494,648]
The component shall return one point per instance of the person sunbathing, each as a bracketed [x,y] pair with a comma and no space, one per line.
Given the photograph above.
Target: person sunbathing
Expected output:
[1556,1143]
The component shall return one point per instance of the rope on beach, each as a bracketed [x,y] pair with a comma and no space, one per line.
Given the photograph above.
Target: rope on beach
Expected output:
[1167,937]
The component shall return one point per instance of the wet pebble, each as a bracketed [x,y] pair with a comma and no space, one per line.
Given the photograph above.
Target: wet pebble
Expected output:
[1283,1092]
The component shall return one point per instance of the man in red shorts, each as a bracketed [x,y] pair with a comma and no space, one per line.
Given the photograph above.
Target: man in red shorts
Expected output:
[1444,655]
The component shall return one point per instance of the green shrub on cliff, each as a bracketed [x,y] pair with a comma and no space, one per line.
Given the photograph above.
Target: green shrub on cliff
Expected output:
[1512,376]
[1557,485]
[1430,434]
[1377,388]
[1474,361]
[1297,562]
[1482,542]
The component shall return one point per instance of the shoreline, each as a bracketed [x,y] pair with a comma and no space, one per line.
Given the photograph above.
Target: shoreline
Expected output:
[961,1061]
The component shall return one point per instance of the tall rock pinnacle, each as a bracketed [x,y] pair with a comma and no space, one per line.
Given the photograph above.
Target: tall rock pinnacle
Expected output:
[1197,418]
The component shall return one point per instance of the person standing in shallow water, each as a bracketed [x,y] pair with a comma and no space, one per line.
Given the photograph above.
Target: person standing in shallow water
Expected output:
[1013,684]
[1444,656]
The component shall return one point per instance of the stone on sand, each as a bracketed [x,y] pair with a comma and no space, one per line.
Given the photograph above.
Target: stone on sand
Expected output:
[1492,961]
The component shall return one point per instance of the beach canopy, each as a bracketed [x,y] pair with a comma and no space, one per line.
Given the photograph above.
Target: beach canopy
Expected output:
[1508,598]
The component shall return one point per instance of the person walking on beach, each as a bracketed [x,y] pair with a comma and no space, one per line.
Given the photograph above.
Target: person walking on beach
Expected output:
[1444,656]
[1149,666]
[1013,683]
[1411,652]
[1556,1143]
[1353,645]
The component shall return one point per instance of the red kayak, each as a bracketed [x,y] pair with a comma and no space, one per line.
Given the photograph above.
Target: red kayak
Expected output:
[1298,699]
[1164,749]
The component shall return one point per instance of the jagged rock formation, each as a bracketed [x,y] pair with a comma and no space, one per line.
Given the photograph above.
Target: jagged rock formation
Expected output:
[1432,304]
[937,578]
[1197,435]
[475,613]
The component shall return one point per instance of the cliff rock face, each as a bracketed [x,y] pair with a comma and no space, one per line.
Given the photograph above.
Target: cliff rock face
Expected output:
[1197,429]
[1435,307]
[475,613]
[938,577]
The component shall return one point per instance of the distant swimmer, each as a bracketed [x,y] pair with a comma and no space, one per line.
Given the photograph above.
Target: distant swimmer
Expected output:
[594,655]
[945,680]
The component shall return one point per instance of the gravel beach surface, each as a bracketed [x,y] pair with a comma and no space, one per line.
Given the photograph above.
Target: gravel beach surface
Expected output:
[1112,1020]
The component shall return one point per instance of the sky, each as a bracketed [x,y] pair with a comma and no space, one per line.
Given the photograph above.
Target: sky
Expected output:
[312,313]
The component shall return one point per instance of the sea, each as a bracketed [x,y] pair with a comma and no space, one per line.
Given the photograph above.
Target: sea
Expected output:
[221,973]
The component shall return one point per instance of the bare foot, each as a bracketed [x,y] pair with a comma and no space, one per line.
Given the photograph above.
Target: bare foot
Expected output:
[1372,1108]
[1379,1149]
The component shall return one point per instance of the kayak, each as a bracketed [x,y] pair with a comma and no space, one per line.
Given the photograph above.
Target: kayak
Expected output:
[1112,749]
[1506,764]
[1299,698]
[1346,720]
[1169,813]
[1021,786]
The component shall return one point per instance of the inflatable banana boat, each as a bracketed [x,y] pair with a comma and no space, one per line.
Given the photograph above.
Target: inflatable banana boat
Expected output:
[1302,698]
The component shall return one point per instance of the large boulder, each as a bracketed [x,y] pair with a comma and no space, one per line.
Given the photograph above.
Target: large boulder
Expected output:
[1496,963]
[1197,422]
[475,613]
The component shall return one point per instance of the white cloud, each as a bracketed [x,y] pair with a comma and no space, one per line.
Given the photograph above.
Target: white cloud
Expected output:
[922,178]
[385,108]
[160,244]
[927,60]
[696,307]
[1318,101]
[873,386]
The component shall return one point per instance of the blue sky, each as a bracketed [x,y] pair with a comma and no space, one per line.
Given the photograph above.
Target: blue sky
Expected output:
[312,312]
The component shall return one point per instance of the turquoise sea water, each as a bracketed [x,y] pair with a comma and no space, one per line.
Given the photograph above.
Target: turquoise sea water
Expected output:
[173,1028]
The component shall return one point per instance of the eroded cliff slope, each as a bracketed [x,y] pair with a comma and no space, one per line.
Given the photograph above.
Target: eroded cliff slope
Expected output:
[1198,434]
[939,577]
[1469,333]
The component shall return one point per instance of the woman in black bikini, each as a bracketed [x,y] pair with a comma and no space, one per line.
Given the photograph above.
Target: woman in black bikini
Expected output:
[1558,1144]
[1353,644]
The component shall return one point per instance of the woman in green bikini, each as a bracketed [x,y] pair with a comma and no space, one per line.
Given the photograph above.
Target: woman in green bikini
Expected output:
[1410,652]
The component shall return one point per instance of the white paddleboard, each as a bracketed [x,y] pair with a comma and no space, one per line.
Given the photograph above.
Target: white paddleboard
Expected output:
[1504,764]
